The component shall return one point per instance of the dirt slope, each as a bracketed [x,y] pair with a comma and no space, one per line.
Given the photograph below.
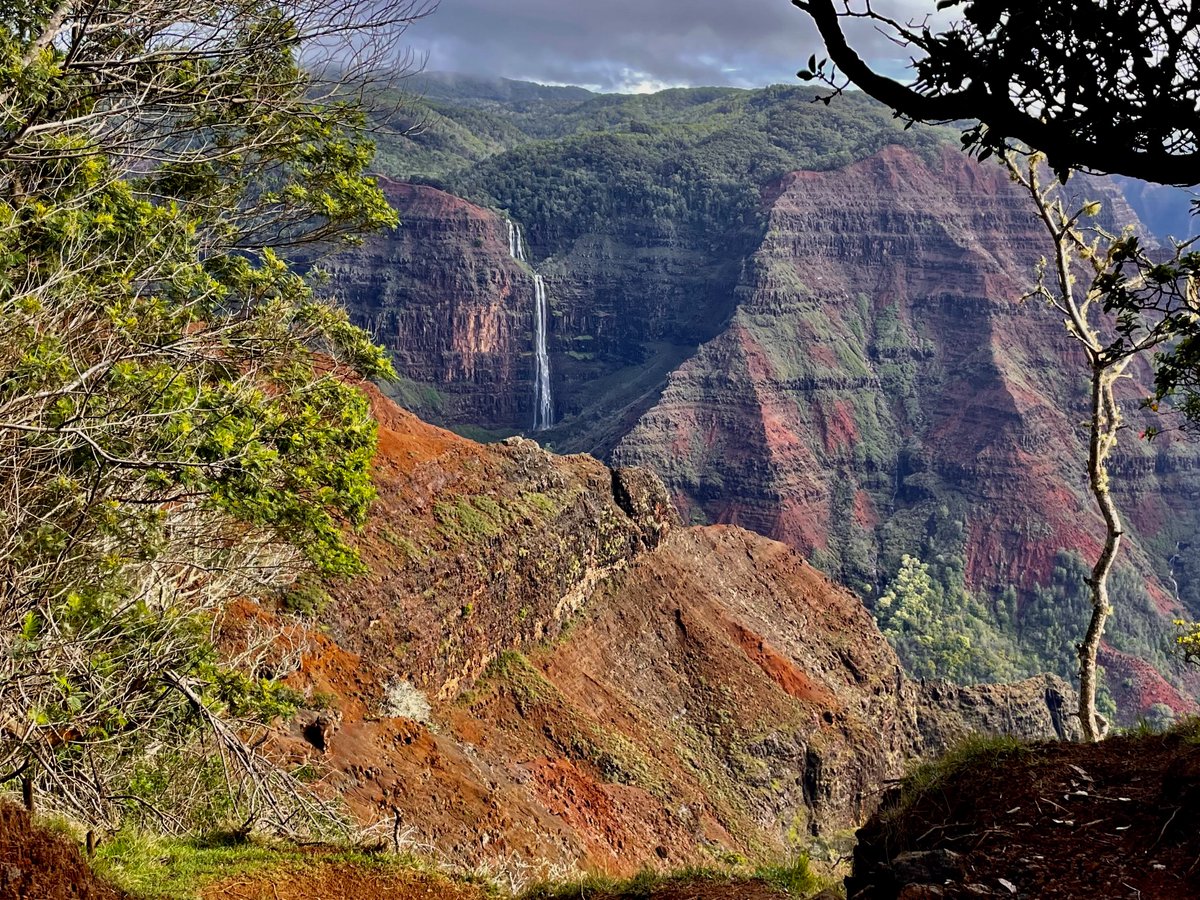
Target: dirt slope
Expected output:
[37,864]
[542,665]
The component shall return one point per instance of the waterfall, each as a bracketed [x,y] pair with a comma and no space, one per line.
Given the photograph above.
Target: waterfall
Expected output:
[1171,568]
[543,404]
[516,248]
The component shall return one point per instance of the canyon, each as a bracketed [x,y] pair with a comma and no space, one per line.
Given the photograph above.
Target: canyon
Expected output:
[843,365]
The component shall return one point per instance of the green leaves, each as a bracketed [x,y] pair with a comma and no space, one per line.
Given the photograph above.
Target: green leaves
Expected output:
[175,419]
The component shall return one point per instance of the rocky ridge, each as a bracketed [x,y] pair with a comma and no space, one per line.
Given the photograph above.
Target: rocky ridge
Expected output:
[543,665]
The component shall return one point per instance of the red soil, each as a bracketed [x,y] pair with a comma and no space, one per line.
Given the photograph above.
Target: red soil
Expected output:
[1146,686]
[37,864]
[1109,820]
[340,880]
[779,668]
[347,882]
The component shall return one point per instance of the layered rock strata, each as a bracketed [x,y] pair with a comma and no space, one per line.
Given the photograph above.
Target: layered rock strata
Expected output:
[543,664]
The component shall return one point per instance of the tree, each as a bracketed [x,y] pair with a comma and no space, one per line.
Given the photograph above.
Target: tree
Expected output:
[912,619]
[1108,86]
[176,426]
[1099,85]
[1128,307]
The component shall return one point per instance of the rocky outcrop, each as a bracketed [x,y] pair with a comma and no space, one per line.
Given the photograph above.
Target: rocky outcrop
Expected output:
[443,294]
[542,664]
[948,713]
[472,551]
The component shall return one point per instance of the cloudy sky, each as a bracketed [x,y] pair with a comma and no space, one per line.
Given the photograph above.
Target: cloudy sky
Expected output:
[636,45]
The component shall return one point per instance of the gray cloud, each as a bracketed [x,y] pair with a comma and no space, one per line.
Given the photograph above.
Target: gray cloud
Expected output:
[635,44]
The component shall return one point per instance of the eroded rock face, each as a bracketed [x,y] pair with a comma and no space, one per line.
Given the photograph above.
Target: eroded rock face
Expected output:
[475,550]
[1043,705]
[542,664]
[879,366]
[851,376]
[879,386]
[445,296]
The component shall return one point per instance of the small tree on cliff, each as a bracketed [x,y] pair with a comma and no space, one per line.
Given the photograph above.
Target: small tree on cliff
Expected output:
[1128,306]
[1099,85]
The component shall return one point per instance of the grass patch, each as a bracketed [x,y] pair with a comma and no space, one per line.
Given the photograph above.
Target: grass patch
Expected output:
[412,553]
[794,877]
[469,521]
[480,517]
[513,670]
[151,867]
[543,503]
[1187,728]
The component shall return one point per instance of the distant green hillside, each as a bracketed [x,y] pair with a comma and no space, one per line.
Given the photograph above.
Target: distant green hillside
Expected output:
[688,164]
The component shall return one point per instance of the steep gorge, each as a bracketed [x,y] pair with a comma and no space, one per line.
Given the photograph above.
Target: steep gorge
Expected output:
[879,363]
[456,309]
[885,393]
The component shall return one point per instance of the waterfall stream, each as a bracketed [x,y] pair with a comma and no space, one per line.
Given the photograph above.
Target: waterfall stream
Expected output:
[515,247]
[543,403]
[1171,575]
[543,406]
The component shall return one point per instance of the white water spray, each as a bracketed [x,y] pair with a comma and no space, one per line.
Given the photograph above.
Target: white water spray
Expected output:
[1171,573]
[543,406]
[516,248]
[543,403]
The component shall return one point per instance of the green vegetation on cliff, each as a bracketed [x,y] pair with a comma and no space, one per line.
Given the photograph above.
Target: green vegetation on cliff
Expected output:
[173,437]
[686,164]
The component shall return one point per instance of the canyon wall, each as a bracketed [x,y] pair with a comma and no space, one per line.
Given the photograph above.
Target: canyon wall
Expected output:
[880,366]
[444,295]
[851,374]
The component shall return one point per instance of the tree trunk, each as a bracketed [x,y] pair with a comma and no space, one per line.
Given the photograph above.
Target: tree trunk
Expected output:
[1105,423]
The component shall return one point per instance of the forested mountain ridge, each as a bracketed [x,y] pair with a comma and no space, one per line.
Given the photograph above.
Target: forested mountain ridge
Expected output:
[905,423]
